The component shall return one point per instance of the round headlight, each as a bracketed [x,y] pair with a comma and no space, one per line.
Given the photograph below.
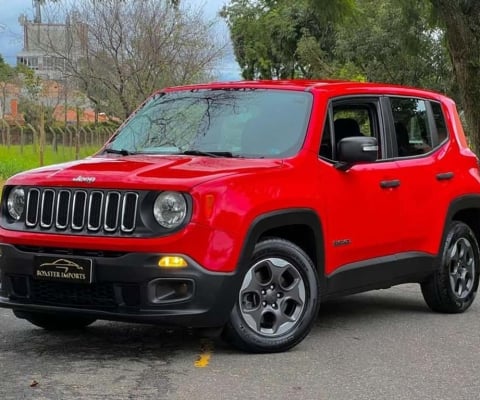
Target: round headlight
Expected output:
[170,209]
[16,203]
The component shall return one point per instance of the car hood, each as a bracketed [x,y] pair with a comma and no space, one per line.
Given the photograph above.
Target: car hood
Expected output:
[141,171]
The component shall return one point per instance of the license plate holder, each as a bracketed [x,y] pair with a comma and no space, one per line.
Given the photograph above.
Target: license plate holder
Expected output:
[63,269]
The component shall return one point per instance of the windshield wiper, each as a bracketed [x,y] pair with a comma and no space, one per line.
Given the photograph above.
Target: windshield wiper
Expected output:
[122,152]
[208,153]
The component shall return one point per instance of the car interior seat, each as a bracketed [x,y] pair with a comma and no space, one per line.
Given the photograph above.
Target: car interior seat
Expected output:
[346,127]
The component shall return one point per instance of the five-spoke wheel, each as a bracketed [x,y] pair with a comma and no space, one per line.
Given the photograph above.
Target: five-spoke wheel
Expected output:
[277,301]
[272,297]
[461,261]
[452,288]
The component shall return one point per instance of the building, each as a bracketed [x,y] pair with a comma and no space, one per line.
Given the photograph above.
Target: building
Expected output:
[9,95]
[50,48]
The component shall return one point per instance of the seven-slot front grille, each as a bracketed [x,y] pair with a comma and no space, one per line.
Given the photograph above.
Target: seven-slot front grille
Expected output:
[81,211]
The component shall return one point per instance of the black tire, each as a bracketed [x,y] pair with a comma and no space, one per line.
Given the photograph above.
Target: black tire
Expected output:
[54,322]
[453,287]
[278,301]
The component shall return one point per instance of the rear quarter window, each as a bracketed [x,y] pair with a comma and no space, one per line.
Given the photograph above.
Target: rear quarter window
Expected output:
[440,123]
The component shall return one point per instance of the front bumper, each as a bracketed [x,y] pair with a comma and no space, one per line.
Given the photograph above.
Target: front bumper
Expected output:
[125,287]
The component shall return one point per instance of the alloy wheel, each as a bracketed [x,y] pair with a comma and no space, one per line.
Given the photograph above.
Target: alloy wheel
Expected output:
[272,297]
[461,262]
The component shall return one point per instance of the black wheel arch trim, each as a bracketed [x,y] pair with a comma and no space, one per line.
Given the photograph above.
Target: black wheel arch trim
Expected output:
[285,218]
[462,203]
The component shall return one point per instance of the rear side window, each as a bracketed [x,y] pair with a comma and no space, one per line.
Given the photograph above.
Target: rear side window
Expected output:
[412,130]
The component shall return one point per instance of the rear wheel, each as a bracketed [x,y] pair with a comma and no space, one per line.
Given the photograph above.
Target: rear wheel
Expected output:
[278,300]
[54,322]
[453,287]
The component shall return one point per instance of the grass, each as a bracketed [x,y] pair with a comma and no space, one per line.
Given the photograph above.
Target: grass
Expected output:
[13,160]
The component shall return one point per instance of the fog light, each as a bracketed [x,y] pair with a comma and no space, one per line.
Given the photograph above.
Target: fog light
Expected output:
[167,290]
[172,262]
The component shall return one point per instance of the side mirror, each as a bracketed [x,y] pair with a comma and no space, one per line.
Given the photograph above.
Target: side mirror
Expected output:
[357,149]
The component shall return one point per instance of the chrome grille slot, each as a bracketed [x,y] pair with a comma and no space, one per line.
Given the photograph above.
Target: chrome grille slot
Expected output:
[95,211]
[63,209]
[112,209]
[33,201]
[47,208]
[129,211]
[82,211]
[78,209]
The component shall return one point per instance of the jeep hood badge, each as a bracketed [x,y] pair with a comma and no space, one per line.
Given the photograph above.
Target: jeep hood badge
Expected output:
[84,179]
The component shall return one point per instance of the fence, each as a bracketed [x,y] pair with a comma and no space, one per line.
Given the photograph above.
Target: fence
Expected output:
[23,146]
[66,136]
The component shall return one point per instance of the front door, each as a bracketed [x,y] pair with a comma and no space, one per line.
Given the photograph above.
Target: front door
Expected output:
[364,214]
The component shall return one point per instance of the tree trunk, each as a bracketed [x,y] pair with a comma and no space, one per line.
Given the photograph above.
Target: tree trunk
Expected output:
[461,19]
[22,138]
[77,135]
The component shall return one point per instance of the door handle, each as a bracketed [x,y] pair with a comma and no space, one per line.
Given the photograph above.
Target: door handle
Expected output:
[445,176]
[390,184]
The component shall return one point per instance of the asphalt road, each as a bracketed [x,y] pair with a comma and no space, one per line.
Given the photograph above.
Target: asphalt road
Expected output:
[378,345]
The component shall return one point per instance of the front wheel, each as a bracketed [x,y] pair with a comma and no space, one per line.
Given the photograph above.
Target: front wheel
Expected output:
[278,300]
[453,287]
[54,322]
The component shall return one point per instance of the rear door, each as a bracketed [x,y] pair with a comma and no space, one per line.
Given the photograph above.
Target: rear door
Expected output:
[423,169]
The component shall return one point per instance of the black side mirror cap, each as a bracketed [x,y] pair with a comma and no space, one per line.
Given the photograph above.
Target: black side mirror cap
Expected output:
[357,149]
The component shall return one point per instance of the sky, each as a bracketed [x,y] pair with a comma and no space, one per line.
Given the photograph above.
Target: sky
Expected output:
[11,35]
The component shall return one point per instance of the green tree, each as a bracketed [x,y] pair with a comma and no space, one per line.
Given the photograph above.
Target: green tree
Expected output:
[388,41]
[268,34]
[251,44]
[461,21]
[348,39]
[7,76]
[6,71]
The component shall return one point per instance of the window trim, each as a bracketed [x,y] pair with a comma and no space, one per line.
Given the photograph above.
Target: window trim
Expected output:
[375,103]
[434,124]
[430,119]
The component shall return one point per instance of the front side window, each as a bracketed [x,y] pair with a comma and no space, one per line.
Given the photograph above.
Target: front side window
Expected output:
[228,122]
[347,118]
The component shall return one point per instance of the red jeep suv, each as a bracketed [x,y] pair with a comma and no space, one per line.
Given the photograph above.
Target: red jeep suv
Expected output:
[245,205]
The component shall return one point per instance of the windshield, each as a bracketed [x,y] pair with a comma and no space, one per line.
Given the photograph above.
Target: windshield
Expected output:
[228,122]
